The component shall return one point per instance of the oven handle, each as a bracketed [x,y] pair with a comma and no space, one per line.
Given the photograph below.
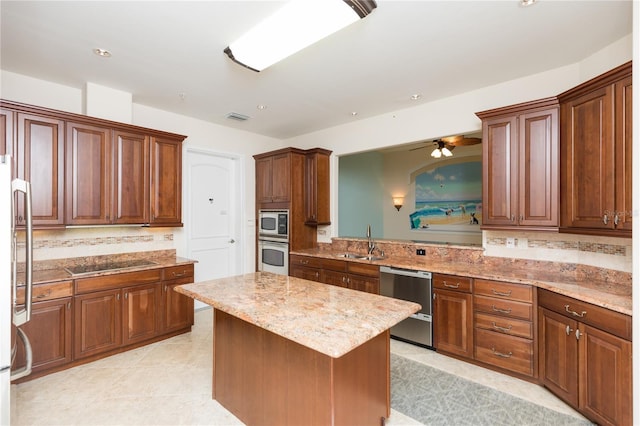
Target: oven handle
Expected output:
[405,272]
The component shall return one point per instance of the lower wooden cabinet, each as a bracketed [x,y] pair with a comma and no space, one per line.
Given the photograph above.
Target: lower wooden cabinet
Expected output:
[178,308]
[49,332]
[353,275]
[91,317]
[453,315]
[586,366]
[504,318]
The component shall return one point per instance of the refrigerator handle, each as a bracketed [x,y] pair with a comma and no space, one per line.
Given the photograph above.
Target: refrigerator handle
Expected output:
[26,370]
[23,315]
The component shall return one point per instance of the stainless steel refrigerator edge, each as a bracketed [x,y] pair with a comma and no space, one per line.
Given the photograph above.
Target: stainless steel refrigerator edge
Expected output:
[10,313]
[414,286]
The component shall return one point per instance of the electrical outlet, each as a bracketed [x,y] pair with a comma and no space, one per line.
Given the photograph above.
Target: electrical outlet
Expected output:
[420,252]
[511,242]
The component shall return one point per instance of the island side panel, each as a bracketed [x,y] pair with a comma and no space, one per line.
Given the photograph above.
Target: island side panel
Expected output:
[362,383]
[265,379]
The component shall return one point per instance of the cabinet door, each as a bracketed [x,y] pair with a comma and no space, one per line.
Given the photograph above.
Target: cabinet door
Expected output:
[366,284]
[88,183]
[6,131]
[605,377]
[178,308]
[624,124]
[97,324]
[281,180]
[131,178]
[311,274]
[500,171]
[335,278]
[558,360]
[453,322]
[263,180]
[39,153]
[49,332]
[539,184]
[316,197]
[166,182]
[141,315]
[587,169]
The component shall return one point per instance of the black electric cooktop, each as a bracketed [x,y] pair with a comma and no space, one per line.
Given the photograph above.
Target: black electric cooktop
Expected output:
[107,266]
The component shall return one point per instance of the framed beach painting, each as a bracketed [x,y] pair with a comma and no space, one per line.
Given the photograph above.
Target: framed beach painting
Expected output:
[448,196]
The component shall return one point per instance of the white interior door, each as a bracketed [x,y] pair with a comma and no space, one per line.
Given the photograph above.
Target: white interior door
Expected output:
[213,231]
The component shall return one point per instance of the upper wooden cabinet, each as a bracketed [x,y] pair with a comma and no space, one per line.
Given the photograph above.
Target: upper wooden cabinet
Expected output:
[520,153]
[596,126]
[317,184]
[89,171]
[273,178]
[38,154]
[166,181]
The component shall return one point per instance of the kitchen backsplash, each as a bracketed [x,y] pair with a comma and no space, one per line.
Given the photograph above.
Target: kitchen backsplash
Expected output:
[83,242]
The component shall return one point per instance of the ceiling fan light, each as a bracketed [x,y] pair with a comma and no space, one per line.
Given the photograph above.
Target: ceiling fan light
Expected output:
[298,24]
[436,153]
[446,152]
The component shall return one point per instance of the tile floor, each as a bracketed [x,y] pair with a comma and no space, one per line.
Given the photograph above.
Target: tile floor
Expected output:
[169,383]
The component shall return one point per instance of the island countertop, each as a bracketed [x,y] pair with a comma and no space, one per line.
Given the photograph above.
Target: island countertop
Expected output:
[328,319]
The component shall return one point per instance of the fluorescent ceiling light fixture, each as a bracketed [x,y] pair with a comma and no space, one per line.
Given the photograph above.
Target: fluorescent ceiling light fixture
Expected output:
[298,24]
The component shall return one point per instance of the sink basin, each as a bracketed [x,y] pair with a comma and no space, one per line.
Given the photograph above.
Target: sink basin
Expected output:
[360,256]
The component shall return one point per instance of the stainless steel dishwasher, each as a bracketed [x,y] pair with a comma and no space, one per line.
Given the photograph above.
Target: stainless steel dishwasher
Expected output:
[414,286]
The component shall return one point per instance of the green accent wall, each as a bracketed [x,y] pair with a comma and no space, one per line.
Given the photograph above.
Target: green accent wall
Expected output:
[360,195]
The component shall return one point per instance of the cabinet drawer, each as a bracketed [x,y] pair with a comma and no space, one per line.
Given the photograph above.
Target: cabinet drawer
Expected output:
[334,265]
[47,291]
[503,307]
[363,269]
[309,261]
[178,272]
[86,285]
[504,325]
[452,282]
[605,319]
[522,293]
[508,352]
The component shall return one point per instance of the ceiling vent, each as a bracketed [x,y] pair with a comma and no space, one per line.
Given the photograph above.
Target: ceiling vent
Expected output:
[236,116]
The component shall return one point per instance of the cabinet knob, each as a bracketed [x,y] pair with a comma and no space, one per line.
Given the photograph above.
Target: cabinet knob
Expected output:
[568,330]
[513,218]
[578,334]
[605,219]
[616,219]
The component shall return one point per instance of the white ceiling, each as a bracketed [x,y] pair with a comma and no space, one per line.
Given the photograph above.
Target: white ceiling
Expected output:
[434,48]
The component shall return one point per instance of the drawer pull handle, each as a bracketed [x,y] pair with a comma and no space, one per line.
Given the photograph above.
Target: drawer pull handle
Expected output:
[499,293]
[500,354]
[45,294]
[503,329]
[457,285]
[502,311]
[574,313]
[179,274]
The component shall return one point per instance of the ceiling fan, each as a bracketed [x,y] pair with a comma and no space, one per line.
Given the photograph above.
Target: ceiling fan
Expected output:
[444,146]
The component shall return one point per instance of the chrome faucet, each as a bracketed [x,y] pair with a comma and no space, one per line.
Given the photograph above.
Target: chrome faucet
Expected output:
[371,245]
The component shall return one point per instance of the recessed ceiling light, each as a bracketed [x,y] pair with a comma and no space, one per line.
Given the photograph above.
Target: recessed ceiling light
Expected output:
[416,97]
[261,107]
[525,3]
[354,113]
[102,52]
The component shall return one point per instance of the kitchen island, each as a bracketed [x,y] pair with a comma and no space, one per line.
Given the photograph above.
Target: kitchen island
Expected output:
[288,351]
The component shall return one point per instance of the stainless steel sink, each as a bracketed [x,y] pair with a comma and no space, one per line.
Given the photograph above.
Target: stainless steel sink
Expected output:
[360,256]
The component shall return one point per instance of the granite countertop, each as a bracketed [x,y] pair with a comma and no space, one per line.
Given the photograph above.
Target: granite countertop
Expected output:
[594,291]
[328,319]
[55,271]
